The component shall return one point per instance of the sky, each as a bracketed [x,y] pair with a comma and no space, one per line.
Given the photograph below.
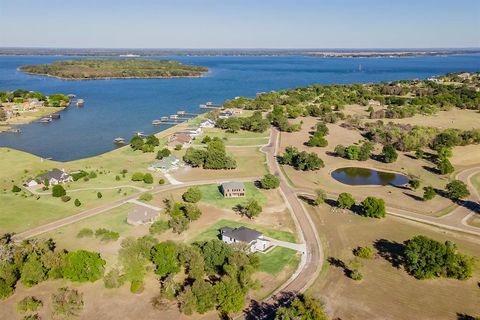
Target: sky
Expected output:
[240,23]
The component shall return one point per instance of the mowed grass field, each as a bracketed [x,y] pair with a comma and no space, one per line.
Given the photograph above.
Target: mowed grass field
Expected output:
[211,194]
[388,292]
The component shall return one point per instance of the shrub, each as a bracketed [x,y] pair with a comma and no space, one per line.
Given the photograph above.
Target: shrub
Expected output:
[161,181]
[206,139]
[340,151]
[163,153]
[345,201]
[178,147]
[419,154]
[445,166]
[321,196]
[117,178]
[92,175]
[269,181]
[158,227]
[99,195]
[137,176]
[58,191]
[85,232]
[148,178]
[363,252]
[356,275]
[67,303]
[16,189]
[429,193]
[106,235]
[66,198]
[389,153]
[77,203]
[136,286]
[29,304]
[373,207]
[113,279]
[457,190]
[146,197]
[83,266]
[192,195]
[414,184]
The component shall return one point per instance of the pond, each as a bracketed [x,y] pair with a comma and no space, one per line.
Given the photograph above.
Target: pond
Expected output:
[355,176]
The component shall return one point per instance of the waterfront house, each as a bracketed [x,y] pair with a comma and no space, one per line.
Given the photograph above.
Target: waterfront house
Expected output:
[193,132]
[252,238]
[166,164]
[233,189]
[181,138]
[207,123]
[142,215]
[56,176]
[225,114]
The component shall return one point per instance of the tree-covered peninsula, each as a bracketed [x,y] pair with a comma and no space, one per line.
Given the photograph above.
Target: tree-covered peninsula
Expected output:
[80,69]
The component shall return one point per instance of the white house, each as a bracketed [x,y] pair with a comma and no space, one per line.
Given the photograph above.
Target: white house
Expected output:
[207,123]
[55,177]
[166,164]
[31,183]
[252,238]
[194,132]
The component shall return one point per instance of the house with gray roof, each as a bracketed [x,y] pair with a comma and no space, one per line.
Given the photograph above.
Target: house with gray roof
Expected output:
[252,238]
[56,176]
[233,189]
[166,164]
[142,215]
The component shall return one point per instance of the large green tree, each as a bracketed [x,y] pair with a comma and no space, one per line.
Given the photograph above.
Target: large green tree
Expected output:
[82,266]
[165,257]
[373,207]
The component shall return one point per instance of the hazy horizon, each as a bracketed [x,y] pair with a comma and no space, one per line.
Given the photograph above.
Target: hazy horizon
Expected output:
[246,24]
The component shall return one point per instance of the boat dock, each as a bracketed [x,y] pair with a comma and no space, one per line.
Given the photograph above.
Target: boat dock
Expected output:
[119,141]
[209,105]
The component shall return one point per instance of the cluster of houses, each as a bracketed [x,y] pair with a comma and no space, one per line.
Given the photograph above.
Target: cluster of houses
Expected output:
[15,109]
[52,177]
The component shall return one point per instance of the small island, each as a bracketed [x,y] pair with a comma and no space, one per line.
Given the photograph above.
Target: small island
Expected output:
[131,68]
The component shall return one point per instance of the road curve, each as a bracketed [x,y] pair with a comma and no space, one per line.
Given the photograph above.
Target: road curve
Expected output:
[313,258]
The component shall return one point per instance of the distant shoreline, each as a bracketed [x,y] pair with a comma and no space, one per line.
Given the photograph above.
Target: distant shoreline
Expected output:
[104,78]
[326,53]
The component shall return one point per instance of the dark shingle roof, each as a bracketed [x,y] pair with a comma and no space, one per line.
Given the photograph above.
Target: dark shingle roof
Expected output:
[243,234]
[54,174]
[233,185]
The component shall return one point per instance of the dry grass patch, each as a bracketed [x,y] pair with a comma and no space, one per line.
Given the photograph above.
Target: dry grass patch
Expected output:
[385,291]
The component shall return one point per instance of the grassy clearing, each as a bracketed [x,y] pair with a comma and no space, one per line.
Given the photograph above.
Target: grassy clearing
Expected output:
[212,231]
[19,213]
[276,260]
[211,194]
[387,292]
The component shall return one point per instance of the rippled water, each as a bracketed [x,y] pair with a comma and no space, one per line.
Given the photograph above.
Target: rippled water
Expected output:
[119,107]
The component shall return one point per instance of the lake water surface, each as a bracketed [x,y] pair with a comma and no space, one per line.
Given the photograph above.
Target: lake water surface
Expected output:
[355,176]
[119,107]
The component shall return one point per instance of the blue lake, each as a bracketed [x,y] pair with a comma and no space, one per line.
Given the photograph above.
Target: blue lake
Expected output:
[116,108]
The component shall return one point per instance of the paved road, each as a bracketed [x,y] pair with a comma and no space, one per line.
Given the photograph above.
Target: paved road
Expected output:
[313,258]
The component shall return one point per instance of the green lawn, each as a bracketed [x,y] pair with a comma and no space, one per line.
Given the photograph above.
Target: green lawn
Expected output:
[476,182]
[211,194]
[114,220]
[276,260]
[19,213]
[212,232]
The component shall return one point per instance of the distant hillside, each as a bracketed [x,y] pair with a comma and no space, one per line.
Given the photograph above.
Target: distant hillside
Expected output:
[80,69]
